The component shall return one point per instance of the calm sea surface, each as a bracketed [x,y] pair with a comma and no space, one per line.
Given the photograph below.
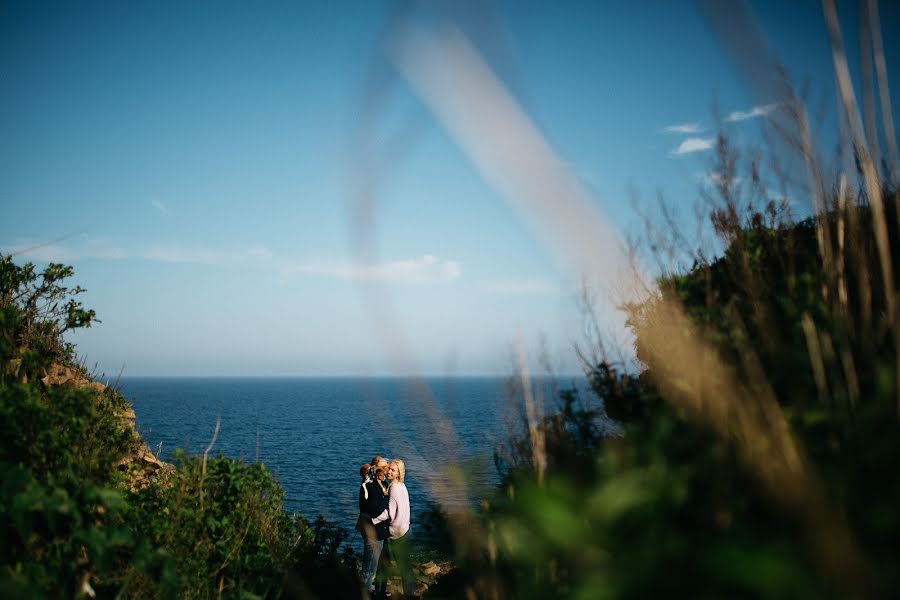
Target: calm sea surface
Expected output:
[314,433]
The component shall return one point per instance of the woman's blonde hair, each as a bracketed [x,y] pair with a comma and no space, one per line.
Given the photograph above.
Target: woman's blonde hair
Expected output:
[401,468]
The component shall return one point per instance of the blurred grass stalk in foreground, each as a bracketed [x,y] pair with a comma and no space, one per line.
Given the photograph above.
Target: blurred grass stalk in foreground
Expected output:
[457,85]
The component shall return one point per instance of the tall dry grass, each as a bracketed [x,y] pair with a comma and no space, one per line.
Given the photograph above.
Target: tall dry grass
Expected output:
[730,395]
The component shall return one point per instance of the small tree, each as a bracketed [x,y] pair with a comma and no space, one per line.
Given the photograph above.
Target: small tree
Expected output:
[36,309]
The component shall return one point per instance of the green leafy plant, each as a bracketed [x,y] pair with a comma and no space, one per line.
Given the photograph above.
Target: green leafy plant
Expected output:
[69,523]
[687,500]
[61,514]
[38,309]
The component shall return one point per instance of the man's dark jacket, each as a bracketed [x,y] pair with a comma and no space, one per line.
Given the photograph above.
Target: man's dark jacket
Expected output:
[374,505]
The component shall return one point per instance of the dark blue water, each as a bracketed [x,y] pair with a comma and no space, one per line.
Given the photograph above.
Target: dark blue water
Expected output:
[314,433]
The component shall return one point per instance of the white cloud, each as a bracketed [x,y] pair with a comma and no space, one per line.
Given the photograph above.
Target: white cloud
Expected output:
[259,251]
[684,128]
[693,145]
[757,111]
[88,247]
[176,253]
[773,194]
[182,254]
[63,250]
[716,178]
[520,286]
[40,252]
[585,176]
[424,269]
[163,210]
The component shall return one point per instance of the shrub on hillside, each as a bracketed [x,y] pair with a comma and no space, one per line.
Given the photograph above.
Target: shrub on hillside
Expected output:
[685,504]
[36,309]
[223,523]
[68,524]
[62,517]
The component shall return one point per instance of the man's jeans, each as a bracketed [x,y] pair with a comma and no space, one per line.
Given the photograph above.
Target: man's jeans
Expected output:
[371,553]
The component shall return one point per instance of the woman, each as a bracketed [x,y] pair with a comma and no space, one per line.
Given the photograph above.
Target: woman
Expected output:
[398,512]
[372,501]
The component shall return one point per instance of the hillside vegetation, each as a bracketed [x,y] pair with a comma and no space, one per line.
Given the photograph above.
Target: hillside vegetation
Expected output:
[86,509]
[773,476]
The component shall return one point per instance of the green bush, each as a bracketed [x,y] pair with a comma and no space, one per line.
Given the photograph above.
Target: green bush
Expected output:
[37,309]
[223,524]
[64,430]
[61,514]
[676,506]
[69,522]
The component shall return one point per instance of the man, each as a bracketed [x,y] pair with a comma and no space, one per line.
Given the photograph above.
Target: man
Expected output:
[372,501]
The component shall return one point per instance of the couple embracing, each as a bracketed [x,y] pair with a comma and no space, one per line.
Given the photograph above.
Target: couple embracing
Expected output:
[384,524]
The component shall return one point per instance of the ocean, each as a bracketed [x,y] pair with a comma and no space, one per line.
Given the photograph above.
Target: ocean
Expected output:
[314,433]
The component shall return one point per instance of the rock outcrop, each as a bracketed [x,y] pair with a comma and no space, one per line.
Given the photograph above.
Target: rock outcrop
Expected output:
[57,374]
[141,464]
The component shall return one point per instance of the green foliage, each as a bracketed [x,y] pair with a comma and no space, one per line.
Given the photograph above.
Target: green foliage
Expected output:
[774,298]
[223,525]
[322,565]
[671,506]
[571,437]
[658,513]
[226,530]
[63,429]
[60,512]
[69,524]
[62,533]
[37,309]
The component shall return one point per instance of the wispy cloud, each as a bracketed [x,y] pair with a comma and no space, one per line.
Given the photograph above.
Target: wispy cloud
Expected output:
[691,145]
[586,176]
[757,111]
[40,252]
[67,249]
[774,194]
[259,251]
[716,178]
[85,247]
[423,269]
[162,208]
[684,128]
[520,287]
[177,253]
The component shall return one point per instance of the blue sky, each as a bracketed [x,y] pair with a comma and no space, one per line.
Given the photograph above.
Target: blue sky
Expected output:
[195,163]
